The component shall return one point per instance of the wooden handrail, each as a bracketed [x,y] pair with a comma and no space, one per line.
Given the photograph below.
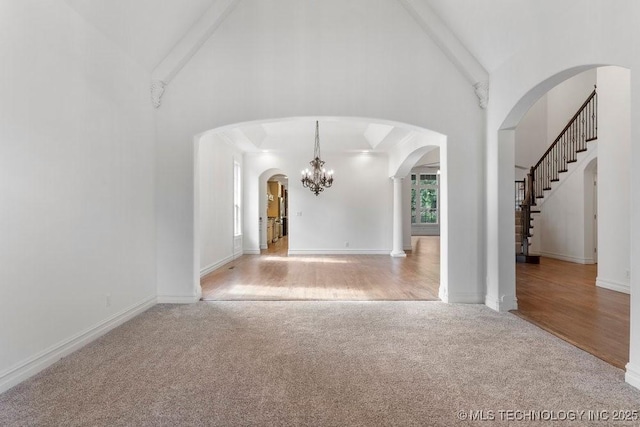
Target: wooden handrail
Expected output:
[564,130]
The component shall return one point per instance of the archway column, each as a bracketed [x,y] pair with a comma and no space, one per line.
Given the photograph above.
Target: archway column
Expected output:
[397,250]
[501,276]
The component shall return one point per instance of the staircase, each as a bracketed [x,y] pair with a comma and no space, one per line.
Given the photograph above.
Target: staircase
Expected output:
[581,129]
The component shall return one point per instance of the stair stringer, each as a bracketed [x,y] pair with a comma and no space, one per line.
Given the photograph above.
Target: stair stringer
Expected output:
[583,160]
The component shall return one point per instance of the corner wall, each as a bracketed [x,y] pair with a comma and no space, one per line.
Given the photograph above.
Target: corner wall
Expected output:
[217,243]
[77,182]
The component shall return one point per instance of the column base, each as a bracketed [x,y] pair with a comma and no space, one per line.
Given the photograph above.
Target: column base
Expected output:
[399,254]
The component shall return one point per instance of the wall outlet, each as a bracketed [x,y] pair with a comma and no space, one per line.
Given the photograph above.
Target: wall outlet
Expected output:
[108,300]
[346,244]
[298,213]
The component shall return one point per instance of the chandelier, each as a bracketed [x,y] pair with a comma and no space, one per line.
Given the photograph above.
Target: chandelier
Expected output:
[318,178]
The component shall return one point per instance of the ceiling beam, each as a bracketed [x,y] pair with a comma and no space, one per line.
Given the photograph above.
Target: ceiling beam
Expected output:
[453,48]
[188,46]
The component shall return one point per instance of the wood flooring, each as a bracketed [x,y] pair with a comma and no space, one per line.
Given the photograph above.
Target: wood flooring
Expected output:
[562,298]
[275,276]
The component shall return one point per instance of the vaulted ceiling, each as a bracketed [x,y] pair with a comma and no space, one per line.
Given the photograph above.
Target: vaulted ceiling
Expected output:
[152,31]
[491,30]
[146,29]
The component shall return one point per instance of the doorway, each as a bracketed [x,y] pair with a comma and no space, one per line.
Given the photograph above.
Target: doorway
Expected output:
[578,292]
[277,227]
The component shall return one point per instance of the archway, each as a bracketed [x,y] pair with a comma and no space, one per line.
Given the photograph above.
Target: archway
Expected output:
[358,205]
[269,207]
[569,229]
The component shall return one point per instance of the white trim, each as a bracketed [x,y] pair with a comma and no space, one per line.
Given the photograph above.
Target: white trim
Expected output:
[177,299]
[632,376]
[567,258]
[51,355]
[262,246]
[446,40]
[188,46]
[252,251]
[613,285]
[216,265]
[339,252]
[463,298]
[400,254]
[502,304]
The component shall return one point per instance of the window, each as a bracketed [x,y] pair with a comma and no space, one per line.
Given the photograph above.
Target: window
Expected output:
[424,198]
[237,197]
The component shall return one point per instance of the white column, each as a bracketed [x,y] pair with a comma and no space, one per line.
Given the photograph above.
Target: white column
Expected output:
[397,250]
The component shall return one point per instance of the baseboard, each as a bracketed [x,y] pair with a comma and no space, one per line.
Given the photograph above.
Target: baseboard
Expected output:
[216,265]
[463,298]
[567,258]
[48,357]
[177,299]
[339,252]
[632,375]
[613,285]
[263,246]
[251,251]
[502,304]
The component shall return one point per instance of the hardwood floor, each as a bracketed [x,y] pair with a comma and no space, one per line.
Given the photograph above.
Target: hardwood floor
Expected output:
[276,276]
[562,298]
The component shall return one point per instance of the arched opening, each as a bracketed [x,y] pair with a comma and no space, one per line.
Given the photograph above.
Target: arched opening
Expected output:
[583,136]
[274,202]
[348,226]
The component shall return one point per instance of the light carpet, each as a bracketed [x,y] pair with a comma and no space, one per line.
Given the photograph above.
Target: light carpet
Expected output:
[322,364]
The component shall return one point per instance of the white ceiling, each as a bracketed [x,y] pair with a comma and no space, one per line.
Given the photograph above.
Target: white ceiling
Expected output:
[494,30]
[146,29]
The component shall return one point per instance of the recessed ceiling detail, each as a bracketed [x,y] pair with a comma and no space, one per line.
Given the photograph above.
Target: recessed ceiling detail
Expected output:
[339,135]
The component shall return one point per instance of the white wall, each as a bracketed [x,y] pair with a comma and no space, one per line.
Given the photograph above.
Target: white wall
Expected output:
[356,210]
[564,49]
[77,183]
[278,59]
[562,225]
[531,138]
[559,231]
[547,118]
[565,99]
[216,184]
[614,140]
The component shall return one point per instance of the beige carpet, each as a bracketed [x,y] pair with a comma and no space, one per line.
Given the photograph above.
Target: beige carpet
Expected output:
[319,363]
